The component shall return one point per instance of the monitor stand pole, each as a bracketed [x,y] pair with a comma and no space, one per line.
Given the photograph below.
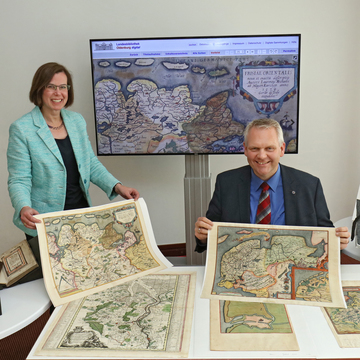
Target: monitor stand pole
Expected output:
[197,191]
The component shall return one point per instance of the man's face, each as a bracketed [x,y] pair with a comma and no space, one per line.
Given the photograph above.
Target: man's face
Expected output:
[263,152]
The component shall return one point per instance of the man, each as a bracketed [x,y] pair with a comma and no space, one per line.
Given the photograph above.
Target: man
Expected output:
[296,197]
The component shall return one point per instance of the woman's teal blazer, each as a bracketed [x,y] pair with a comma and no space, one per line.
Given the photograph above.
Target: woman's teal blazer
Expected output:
[37,174]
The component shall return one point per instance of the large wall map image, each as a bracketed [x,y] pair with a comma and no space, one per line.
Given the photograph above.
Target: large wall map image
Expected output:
[147,317]
[279,264]
[86,249]
[191,105]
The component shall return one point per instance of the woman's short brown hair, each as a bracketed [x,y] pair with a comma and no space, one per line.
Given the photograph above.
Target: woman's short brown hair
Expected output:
[42,78]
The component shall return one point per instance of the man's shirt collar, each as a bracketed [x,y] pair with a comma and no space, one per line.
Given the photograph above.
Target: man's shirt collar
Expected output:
[273,182]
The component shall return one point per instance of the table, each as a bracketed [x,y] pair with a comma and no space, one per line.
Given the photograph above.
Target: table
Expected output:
[313,334]
[21,305]
[25,311]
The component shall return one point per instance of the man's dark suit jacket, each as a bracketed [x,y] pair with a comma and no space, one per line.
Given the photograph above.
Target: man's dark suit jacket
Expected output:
[305,203]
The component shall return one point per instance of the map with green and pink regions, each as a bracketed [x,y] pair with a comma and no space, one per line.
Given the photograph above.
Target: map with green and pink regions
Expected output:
[245,317]
[250,326]
[197,105]
[274,264]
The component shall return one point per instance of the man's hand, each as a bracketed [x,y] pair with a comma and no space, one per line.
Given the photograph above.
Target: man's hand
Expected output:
[202,226]
[126,192]
[344,235]
[27,218]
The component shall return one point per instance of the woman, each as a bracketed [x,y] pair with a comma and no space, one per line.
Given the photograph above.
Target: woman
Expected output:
[50,159]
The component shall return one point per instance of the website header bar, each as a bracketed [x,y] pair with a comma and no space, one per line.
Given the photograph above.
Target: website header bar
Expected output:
[267,45]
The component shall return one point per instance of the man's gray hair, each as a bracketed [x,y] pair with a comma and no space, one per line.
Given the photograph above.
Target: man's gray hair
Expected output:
[265,124]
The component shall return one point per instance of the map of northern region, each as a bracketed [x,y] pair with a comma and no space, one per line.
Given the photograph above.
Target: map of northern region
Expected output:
[244,317]
[148,314]
[347,321]
[272,263]
[96,247]
[250,326]
[174,105]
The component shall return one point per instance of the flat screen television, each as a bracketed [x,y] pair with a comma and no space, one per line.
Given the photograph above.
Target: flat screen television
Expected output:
[192,94]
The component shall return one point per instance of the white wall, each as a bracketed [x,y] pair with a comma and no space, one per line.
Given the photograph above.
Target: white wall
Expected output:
[38,31]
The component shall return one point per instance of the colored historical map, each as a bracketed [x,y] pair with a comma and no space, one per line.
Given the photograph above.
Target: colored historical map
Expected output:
[150,315]
[245,317]
[174,105]
[89,248]
[237,325]
[268,262]
[345,323]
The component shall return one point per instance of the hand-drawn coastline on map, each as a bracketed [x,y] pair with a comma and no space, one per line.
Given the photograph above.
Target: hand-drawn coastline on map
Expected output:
[192,105]
[147,317]
[273,264]
[87,250]
[245,326]
[345,323]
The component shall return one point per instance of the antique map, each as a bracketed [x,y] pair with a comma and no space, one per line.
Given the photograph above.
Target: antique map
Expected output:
[147,317]
[268,263]
[87,250]
[345,323]
[245,326]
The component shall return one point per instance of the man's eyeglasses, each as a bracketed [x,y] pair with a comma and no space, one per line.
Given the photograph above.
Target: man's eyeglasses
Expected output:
[62,87]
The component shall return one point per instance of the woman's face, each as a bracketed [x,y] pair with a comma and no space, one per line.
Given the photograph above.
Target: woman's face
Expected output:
[55,99]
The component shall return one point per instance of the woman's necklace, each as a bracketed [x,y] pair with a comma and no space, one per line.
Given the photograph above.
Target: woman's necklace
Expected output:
[56,127]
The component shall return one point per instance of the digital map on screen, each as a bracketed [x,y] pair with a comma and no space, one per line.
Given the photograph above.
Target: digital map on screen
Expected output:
[191,104]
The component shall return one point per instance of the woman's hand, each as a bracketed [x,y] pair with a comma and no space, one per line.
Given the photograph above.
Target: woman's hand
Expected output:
[27,218]
[126,192]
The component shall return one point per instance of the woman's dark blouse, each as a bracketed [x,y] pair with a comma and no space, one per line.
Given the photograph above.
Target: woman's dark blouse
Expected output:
[75,198]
